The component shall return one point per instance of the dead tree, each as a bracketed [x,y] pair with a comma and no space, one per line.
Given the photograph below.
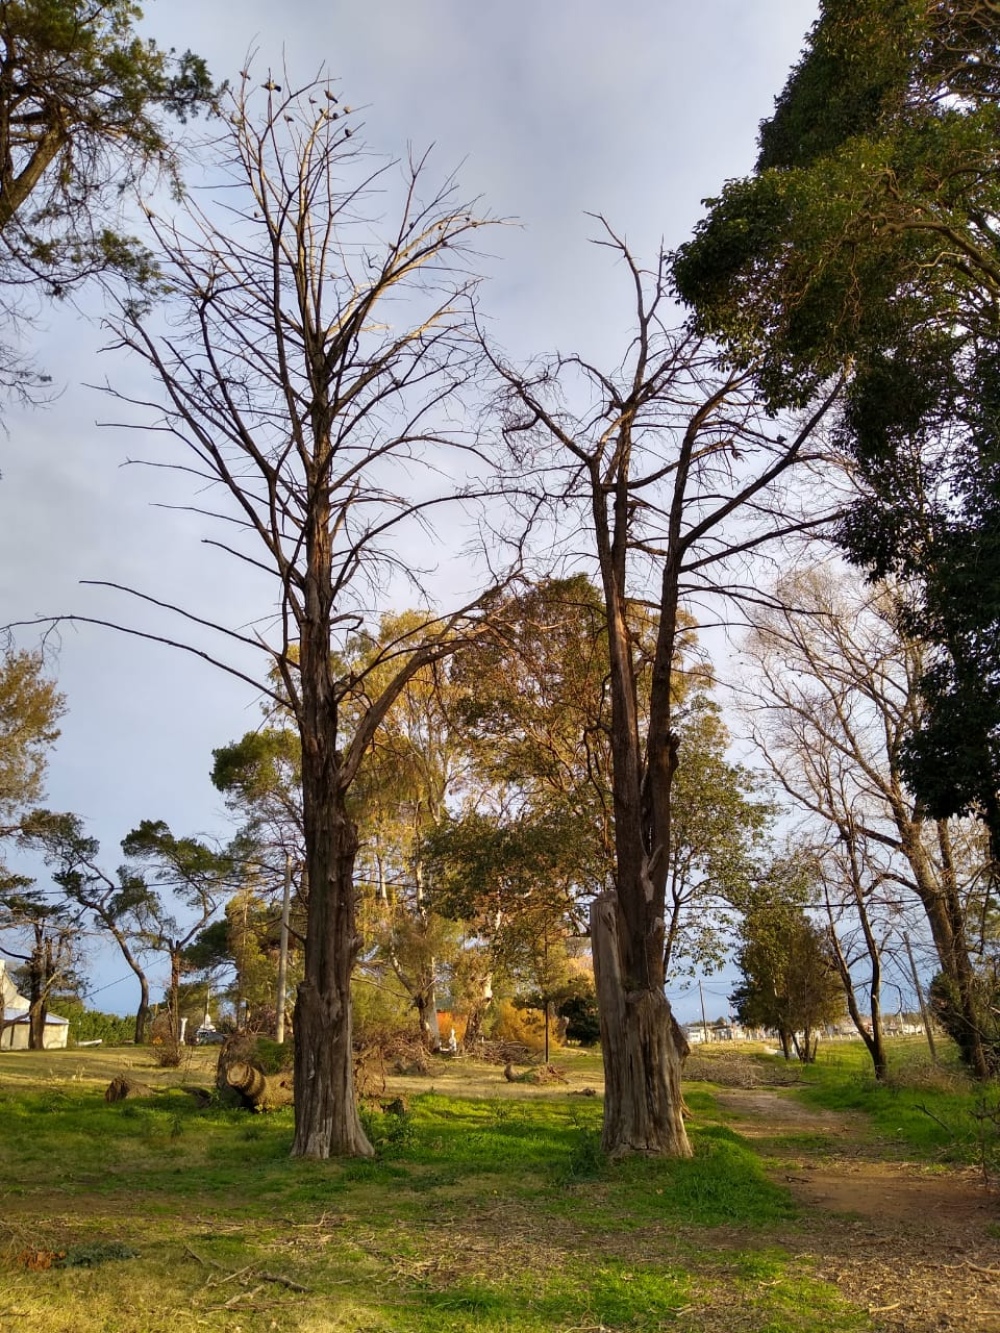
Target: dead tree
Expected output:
[674,471]
[833,696]
[319,341]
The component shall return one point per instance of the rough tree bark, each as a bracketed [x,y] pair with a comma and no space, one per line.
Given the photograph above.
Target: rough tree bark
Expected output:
[327,1121]
[637,1037]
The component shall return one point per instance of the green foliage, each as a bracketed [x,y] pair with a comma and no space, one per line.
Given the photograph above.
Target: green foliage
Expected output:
[718,820]
[576,1003]
[30,707]
[947,1006]
[273,1057]
[84,106]
[379,1009]
[790,981]
[260,777]
[389,1129]
[92,1025]
[866,242]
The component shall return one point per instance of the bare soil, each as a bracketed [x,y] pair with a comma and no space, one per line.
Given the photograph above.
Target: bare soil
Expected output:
[915,1245]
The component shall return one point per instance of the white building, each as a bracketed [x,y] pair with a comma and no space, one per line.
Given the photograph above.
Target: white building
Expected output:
[14,1032]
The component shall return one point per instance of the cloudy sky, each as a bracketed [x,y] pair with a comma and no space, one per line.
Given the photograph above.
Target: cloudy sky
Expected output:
[548,110]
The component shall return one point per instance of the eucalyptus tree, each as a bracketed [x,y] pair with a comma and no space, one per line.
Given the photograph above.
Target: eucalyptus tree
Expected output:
[533,702]
[318,346]
[673,469]
[417,765]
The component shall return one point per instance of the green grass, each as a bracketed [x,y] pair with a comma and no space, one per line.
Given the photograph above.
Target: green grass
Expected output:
[933,1113]
[478,1215]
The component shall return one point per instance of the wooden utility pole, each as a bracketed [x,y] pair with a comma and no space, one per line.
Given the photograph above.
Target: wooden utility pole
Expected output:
[704,1020]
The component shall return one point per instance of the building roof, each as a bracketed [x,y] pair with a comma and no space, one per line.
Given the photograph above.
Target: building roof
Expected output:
[22,1016]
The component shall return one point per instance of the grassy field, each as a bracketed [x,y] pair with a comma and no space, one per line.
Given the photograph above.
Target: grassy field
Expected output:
[488,1207]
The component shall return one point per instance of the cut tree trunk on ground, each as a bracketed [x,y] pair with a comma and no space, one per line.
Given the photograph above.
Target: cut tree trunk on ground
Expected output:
[257,1090]
[122,1088]
[643,1105]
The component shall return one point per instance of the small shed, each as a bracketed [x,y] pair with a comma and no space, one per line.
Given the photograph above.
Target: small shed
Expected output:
[14,1032]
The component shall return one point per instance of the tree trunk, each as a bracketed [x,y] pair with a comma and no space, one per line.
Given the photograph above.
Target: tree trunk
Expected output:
[642,1065]
[426,1003]
[174,997]
[38,985]
[942,904]
[36,1025]
[326,1115]
[142,1013]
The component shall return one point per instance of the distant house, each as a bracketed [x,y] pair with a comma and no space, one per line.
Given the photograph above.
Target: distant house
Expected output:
[14,1033]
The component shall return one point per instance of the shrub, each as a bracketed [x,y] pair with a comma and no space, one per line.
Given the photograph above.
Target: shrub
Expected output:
[526,1027]
[91,1025]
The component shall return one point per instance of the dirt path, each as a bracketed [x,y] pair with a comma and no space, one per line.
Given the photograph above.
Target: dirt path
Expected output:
[918,1246]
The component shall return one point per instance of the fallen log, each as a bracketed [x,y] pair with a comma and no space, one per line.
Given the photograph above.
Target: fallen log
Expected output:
[259,1091]
[121,1088]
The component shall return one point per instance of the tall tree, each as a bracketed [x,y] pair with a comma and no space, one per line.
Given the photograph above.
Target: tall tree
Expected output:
[412,770]
[868,239]
[117,904]
[44,936]
[312,379]
[790,979]
[84,102]
[674,469]
[30,708]
[833,698]
[189,873]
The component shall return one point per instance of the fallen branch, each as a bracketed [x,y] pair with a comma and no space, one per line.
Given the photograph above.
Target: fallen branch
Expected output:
[241,1296]
[283,1281]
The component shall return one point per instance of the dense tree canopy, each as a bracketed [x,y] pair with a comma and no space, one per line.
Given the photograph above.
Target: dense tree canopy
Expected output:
[868,239]
[790,980]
